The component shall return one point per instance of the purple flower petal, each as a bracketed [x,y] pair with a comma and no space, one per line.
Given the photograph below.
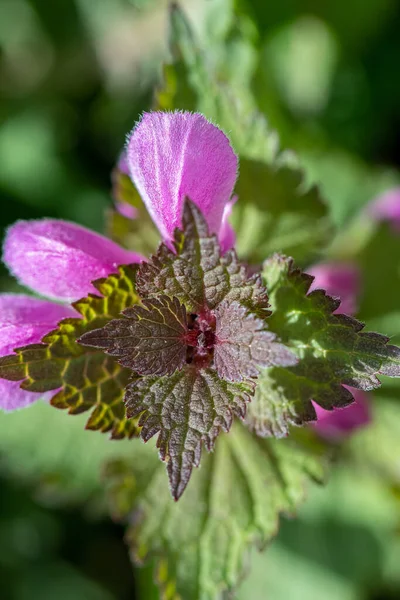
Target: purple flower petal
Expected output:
[227,236]
[338,279]
[122,164]
[340,422]
[24,320]
[173,156]
[386,207]
[59,259]
[126,210]
[13,398]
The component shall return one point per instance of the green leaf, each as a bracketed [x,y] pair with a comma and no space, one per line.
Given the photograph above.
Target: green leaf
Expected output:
[276,211]
[332,348]
[192,82]
[200,543]
[89,380]
[197,274]
[187,409]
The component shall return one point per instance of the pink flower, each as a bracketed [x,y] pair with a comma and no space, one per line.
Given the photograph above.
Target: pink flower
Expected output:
[122,164]
[341,280]
[59,260]
[169,156]
[386,207]
[173,156]
[24,320]
[126,210]
[337,423]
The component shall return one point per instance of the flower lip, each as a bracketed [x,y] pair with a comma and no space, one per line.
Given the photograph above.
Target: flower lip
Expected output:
[339,422]
[338,279]
[24,320]
[59,259]
[176,155]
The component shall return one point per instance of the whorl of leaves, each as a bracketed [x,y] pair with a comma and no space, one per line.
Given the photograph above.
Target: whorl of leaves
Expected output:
[195,345]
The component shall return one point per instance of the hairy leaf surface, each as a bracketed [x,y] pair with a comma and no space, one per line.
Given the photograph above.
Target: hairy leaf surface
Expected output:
[243,345]
[150,340]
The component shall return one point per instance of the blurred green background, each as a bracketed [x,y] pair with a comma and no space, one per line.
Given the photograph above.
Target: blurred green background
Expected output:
[74,77]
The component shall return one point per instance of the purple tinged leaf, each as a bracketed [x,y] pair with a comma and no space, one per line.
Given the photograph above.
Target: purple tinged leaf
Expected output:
[159,338]
[187,409]
[198,274]
[150,339]
[243,345]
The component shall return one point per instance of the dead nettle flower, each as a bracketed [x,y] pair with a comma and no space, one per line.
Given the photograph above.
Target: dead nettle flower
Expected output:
[198,337]
[174,156]
[340,422]
[25,320]
[341,280]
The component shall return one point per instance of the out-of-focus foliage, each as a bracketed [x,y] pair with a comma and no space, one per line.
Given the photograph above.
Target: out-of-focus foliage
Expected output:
[226,507]
[67,464]
[74,77]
